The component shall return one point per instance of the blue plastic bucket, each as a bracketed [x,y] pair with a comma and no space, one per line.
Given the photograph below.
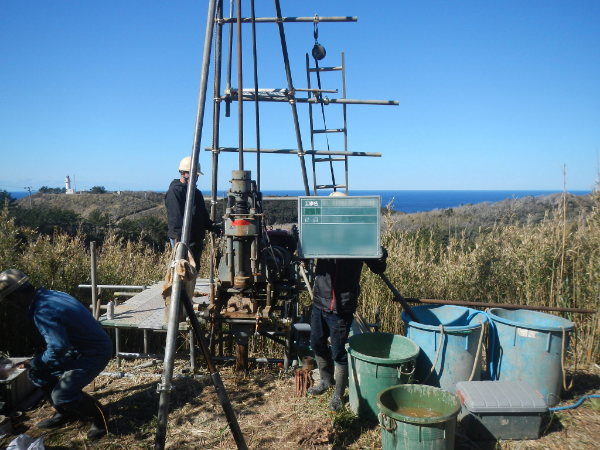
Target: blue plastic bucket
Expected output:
[451,337]
[528,346]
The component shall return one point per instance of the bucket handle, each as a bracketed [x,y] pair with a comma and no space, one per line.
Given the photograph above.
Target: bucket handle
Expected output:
[390,427]
[400,373]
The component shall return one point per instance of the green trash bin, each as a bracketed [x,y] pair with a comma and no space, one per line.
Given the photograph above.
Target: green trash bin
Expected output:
[377,361]
[417,417]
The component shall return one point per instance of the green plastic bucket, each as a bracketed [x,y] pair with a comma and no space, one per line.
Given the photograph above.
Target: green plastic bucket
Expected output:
[404,424]
[377,361]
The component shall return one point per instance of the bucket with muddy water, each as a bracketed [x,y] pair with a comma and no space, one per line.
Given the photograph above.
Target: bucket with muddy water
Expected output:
[417,417]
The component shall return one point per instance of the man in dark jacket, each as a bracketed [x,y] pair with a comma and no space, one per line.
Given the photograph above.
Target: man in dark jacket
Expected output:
[335,299]
[175,203]
[77,350]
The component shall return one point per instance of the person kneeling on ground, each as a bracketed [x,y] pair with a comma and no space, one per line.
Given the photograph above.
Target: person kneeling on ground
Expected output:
[77,350]
[336,291]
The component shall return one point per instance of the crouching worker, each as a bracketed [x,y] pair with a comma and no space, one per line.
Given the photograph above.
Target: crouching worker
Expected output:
[335,299]
[77,350]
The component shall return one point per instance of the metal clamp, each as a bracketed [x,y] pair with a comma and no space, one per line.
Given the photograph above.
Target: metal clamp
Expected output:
[160,388]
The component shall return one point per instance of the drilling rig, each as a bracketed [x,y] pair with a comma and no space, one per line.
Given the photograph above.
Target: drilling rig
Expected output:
[256,275]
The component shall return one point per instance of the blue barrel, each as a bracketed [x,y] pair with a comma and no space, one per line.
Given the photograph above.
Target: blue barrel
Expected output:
[528,346]
[457,332]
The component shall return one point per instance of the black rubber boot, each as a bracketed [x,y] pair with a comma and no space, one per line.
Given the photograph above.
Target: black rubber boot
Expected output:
[341,382]
[90,407]
[60,417]
[326,371]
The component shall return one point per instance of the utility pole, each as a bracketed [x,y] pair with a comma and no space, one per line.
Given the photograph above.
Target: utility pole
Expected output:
[29,189]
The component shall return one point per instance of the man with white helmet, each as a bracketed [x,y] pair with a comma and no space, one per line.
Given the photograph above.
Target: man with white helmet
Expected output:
[77,350]
[175,203]
[335,299]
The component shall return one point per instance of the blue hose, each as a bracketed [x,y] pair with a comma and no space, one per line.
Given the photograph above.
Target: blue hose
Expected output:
[574,405]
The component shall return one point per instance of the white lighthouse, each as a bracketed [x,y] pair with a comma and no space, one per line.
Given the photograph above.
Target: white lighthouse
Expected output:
[68,189]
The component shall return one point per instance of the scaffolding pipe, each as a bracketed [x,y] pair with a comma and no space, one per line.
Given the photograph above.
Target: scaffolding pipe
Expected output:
[240,87]
[229,57]
[293,19]
[344,114]
[94,285]
[292,101]
[248,97]
[256,109]
[254,360]
[111,286]
[288,151]
[215,140]
[165,386]
[500,305]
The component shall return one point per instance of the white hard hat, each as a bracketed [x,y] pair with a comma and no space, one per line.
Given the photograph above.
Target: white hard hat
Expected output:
[338,194]
[184,165]
[10,281]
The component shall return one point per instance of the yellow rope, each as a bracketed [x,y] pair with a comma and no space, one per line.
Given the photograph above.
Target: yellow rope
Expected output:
[437,354]
[562,362]
[477,354]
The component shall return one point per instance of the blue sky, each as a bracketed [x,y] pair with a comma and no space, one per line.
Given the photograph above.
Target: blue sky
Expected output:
[493,95]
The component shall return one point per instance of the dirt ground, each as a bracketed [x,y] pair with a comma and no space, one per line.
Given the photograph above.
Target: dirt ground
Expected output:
[270,416]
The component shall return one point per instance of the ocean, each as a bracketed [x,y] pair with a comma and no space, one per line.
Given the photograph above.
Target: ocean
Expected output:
[418,201]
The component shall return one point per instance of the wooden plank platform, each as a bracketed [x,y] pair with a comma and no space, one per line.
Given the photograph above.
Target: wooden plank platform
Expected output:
[146,310]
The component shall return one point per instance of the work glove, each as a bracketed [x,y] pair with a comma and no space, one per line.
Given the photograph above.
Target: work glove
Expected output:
[42,377]
[378,266]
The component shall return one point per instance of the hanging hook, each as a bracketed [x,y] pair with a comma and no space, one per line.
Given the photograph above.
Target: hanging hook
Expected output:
[318,51]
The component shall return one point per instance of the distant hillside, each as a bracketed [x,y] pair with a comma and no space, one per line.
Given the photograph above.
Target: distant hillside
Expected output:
[486,215]
[132,205]
[127,204]
[136,205]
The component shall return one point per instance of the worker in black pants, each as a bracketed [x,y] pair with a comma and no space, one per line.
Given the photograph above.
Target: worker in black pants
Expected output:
[336,291]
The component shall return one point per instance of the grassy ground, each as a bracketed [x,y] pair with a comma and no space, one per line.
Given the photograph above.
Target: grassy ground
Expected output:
[270,416]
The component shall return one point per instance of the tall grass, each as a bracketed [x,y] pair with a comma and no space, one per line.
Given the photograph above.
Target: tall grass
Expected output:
[61,262]
[551,263]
